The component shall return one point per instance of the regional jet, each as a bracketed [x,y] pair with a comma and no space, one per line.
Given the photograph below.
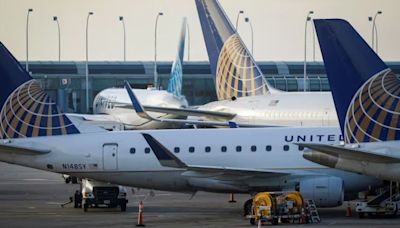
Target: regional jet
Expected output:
[35,133]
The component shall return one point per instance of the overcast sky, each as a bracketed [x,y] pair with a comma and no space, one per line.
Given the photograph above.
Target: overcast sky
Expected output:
[278,27]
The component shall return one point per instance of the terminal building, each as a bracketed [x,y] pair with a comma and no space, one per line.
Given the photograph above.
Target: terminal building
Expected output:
[65,81]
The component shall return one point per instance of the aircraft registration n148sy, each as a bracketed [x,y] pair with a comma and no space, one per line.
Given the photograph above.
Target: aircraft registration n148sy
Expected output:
[35,133]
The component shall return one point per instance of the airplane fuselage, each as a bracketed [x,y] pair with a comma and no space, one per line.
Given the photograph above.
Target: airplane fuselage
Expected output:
[116,102]
[283,109]
[125,158]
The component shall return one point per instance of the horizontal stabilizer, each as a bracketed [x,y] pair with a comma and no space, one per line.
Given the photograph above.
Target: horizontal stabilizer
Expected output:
[19,150]
[350,153]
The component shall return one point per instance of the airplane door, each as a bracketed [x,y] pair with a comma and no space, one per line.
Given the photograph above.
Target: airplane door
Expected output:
[110,156]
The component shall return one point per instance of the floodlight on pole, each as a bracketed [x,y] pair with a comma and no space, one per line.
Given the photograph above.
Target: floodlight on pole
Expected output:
[55,18]
[308,18]
[247,20]
[237,19]
[121,18]
[87,61]
[27,40]
[155,51]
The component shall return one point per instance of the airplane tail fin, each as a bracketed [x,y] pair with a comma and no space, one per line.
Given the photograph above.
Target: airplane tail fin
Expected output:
[236,73]
[175,80]
[366,92]
[26,110]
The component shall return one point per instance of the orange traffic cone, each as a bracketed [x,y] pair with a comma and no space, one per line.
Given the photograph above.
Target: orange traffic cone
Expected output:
[232,198]
[140,217]
[348,210]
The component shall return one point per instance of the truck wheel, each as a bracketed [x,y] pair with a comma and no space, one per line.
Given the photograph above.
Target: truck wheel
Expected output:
[247,207]
[275,221]
[361,214]
[85,207]
[253,221]
[123,207]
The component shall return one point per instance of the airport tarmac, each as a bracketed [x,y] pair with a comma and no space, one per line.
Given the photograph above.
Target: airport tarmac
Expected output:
[32,198]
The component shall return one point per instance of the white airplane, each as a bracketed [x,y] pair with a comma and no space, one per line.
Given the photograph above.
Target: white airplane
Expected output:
[111,107]
[244,96]
[367,95]
[36,134]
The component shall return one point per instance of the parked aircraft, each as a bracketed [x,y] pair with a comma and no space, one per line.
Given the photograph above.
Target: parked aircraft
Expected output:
[244,96]
[112,105]
[366,94]
[35,133]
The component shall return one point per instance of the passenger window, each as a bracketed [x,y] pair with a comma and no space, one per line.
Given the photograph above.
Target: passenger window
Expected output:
[176,149]
[301,148]
[285,147]
[147,150]
[132,150]
[253,148]
[207,149]
[268,148]
[238,148]
[223,148]
[191,149]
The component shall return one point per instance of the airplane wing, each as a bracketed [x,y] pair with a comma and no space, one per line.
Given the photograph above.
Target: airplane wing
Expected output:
[183,111]
[22,150]
[140,110]
[350,153]
[191,112]
[168,159]
[95,117]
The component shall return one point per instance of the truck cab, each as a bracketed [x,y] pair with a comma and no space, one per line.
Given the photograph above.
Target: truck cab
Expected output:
[99,194]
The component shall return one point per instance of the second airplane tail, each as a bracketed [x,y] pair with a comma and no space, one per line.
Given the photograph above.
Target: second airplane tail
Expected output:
[366,92]
[175,80]
[236,73]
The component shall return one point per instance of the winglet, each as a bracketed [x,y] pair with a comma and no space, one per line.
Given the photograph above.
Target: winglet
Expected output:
[135,102]
[233,124]
[164,156]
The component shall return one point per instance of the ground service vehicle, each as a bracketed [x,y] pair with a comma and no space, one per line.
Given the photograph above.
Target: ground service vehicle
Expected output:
[284,207]
[100,194]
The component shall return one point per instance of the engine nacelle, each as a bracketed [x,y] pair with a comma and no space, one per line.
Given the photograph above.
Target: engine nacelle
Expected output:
[325,191]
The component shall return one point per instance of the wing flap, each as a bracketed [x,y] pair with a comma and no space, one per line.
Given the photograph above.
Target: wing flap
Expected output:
[351,153]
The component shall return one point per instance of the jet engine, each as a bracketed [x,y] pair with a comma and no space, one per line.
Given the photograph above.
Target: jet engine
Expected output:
[325,191]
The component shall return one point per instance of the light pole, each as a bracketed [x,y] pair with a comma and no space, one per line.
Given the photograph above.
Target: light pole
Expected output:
[374,31]
[252,34]
[27,40]
[155,51]
[55,18]
[313,41]
[121,18]
[188,31]
[305,49]
[237,18]
[87,61]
